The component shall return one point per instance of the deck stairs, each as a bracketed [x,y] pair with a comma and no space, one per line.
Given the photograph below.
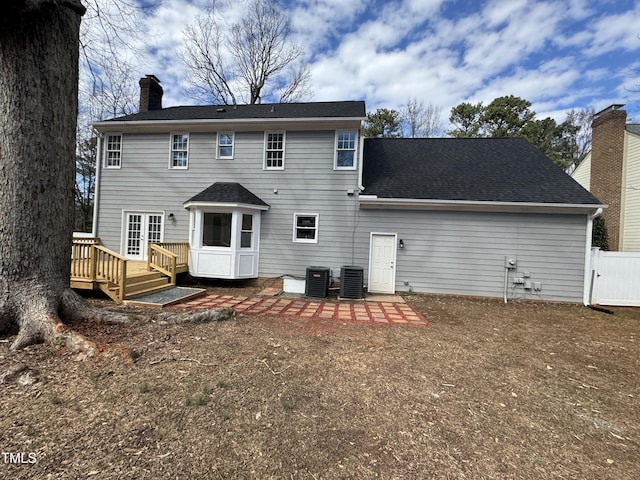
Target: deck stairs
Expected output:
[94,267]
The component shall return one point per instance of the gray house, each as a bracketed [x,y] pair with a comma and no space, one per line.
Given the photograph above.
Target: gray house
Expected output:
[269,190]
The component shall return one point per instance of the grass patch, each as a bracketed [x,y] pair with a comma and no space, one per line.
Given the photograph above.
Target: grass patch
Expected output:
[200,399]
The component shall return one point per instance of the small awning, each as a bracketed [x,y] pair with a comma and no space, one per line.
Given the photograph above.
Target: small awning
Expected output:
[228,194]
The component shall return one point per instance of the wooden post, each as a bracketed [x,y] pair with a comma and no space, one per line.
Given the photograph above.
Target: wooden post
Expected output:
[122,280]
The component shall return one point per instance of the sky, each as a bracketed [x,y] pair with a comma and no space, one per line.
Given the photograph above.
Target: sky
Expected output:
[558,54]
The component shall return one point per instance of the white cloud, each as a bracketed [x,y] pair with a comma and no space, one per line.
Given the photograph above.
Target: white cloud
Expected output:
[556,53]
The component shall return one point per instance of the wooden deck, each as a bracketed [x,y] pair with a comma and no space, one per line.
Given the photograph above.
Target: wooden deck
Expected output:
[94,267]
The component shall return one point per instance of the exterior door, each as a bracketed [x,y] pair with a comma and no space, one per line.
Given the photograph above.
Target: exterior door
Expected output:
[382,259]
[141,229]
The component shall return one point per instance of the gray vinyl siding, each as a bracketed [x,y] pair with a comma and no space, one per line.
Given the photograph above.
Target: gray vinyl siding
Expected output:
[462,253]
[308,184]
[445,252]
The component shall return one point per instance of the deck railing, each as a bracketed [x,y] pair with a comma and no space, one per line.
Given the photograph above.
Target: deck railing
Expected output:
[179,249]
[82,264]
[111,268]
[162,260]
[92,262]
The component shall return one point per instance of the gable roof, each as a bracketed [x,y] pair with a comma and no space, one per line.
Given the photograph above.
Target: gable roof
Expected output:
[348,109]
[507,170]
[231,193]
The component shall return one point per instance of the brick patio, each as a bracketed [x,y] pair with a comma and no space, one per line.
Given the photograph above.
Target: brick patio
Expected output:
[376,313]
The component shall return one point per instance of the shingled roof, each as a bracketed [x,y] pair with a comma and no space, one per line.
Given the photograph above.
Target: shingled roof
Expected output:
[349,109]
[467,169]
[227,192]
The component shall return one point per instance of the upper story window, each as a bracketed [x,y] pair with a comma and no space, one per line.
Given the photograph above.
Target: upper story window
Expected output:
[113,151]
[345,150]
[274,150]
[225,145]
[179,150]
[305,227]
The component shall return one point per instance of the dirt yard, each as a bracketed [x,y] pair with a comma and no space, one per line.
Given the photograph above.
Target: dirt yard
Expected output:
[486,391]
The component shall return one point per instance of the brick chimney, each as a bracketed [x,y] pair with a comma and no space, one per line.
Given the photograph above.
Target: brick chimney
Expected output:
[150,93]
[607,158]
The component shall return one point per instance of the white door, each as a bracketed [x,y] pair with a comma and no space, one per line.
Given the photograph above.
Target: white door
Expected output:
[382,259]
[141,229]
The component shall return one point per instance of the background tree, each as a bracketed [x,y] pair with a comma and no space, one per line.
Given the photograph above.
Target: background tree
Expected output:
[384,122]
[467,119]
[107,87]
[85,185]
[247,60]
[581,118]
[38,98]
[512,116]
[421,121]
[600,237]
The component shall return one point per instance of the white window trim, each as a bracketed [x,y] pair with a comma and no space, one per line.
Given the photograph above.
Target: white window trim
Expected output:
[284,143]
[295,226]
[171,166]
[240,220]
[233,146]
[355,151]
[106,151]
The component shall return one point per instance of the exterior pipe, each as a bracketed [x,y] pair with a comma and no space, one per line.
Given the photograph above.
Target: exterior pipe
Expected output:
[506,280]
[588,275]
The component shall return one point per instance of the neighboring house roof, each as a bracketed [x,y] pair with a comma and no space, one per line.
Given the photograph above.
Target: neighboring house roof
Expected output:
[349,109]
[633,128]
[227,193]
[506,170]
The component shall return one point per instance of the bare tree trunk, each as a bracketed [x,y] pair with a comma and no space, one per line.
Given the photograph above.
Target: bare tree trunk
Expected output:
[38,101]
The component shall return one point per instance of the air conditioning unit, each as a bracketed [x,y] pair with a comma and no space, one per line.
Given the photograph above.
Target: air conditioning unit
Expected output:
[317,282]
[351,280]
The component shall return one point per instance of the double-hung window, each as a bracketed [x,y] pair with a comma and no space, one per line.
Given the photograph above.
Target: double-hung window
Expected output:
[345,157]
[274,151]
[305,227]
[113,151]
[246,231]
[179,150]
[225,145]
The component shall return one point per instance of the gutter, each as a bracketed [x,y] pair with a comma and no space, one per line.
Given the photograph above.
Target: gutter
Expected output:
[373,202]
[207,123]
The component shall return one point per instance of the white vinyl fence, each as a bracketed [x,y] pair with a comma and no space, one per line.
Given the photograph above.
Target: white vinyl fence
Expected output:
[615,278]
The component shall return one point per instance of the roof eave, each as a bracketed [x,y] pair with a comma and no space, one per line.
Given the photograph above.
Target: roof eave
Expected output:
[164,125]
[373,202]
[227,205]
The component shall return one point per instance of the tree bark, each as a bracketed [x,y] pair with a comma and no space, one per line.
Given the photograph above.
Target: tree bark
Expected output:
[38,101]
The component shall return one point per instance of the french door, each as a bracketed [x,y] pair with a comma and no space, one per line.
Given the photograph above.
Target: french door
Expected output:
[141,229]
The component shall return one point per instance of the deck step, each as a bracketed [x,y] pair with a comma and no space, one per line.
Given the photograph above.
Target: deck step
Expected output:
[139,293]
[147,283]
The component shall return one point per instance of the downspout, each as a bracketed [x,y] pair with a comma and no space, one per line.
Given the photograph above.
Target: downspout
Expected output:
[356,209]
[588,274]
[361,160]
[94,223]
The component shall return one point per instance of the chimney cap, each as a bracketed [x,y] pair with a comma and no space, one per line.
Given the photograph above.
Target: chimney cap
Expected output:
[610,108]
[153,77]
